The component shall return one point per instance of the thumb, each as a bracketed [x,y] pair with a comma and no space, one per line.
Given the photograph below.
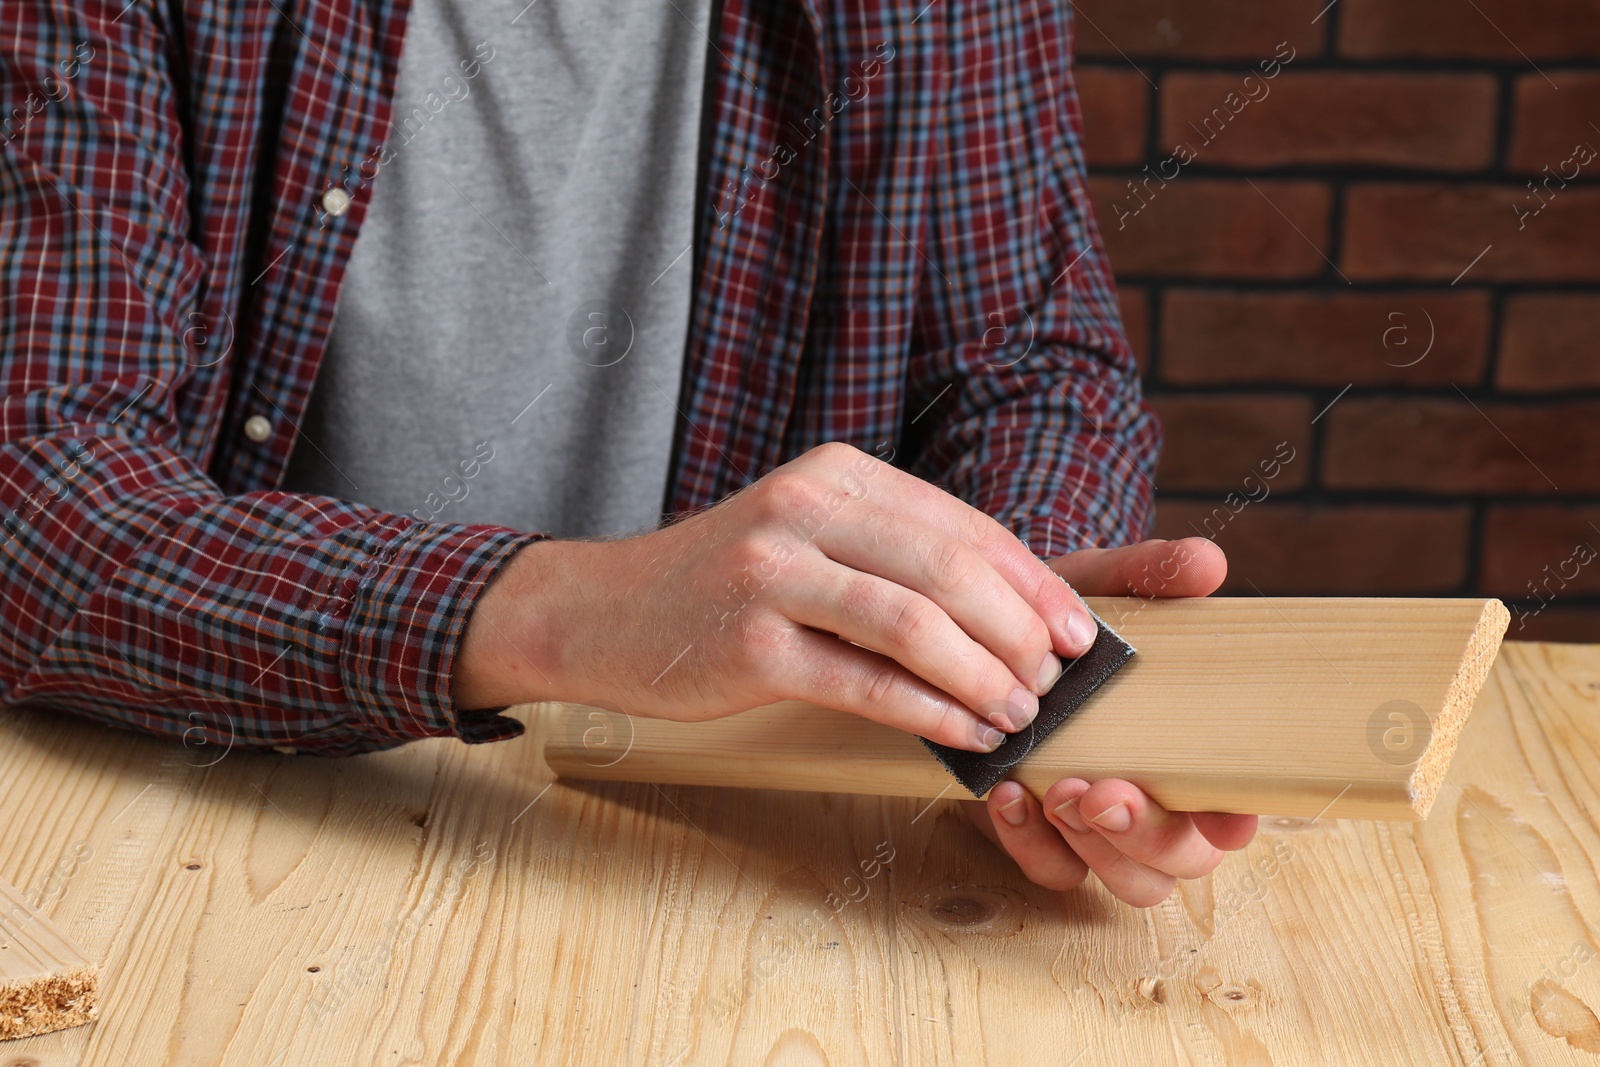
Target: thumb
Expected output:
[1192,566]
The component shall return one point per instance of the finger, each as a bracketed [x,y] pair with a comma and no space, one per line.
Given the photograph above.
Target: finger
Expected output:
[1228,832]
[912,630]
[1127,878]
[1057,606]
[837,674]
[1028,838]
[1146,832]
[953,576]
[1193,566]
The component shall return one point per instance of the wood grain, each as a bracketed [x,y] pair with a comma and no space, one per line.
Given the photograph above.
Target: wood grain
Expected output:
[446,904]
[1343,707]
[46,982]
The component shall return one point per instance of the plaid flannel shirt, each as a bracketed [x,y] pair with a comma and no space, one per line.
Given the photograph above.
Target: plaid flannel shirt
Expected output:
[895,247]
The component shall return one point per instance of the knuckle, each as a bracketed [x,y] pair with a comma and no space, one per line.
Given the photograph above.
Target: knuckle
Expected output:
[978,529]
[912,623]
[950,567]
[954,728]
[789,493]
[835,453]
[755,552]
[860,600]
[879,683]
[1030,644]
[1049,588]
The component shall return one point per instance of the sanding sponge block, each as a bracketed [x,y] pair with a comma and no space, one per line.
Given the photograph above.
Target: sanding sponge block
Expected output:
[982,771]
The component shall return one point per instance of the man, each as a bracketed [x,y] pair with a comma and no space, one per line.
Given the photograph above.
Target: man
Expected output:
[895,283]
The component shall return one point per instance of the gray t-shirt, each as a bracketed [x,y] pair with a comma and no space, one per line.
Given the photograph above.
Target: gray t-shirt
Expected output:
[508,344]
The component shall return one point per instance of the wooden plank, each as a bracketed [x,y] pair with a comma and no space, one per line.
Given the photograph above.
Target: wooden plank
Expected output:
[46,982]
[443,903]
[1348,708]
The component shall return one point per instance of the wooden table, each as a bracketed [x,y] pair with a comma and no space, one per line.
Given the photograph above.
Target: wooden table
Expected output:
[446,904]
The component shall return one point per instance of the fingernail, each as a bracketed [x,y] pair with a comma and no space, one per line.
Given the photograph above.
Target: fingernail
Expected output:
[1081,631]
[1016,812]
[1116,818]
[990,738]
[1050,669]
[1021,708]
[1069,814]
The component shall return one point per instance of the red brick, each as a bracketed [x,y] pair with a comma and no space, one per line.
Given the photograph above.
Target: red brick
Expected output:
[1135,304]
[1337,118]
[1433,232]
[1555,623]
[1214,228]
[1116,115]
[1547,343]
[1448,446]
[1198,29]
[1216,442]
[1222,337]
[1512,30]
[1541,552]
[1297,549]
[1547,124]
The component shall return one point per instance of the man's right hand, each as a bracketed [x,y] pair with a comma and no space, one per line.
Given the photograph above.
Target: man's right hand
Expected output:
[835,579]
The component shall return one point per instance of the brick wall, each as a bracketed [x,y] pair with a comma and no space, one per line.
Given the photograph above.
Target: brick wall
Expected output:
[1371,340]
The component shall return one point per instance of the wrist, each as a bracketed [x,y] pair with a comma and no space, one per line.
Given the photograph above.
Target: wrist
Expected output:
[510,652]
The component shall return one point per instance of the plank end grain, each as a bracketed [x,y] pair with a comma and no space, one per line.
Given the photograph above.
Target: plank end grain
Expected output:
[46,982]
[1465,685]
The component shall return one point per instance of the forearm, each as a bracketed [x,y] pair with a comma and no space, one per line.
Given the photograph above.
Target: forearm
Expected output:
[141,596]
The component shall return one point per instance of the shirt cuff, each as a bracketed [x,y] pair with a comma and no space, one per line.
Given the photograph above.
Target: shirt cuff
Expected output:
[407,619]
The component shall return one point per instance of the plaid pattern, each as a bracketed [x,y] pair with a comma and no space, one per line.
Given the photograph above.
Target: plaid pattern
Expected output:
[895,249]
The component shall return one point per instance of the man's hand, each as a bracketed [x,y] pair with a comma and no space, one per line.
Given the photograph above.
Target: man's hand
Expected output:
[835,579]
[1136,847]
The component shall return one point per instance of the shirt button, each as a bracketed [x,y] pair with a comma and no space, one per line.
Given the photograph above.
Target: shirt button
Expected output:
[257,428]
[336,201]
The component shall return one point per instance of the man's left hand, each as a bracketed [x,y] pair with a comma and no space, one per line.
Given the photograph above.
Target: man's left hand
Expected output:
[1137,848]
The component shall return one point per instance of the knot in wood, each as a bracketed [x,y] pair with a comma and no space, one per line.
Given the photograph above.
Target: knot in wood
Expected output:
[962,911]
[991,910]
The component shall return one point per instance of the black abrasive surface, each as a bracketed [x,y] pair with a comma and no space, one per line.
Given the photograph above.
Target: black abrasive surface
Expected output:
[982,771]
